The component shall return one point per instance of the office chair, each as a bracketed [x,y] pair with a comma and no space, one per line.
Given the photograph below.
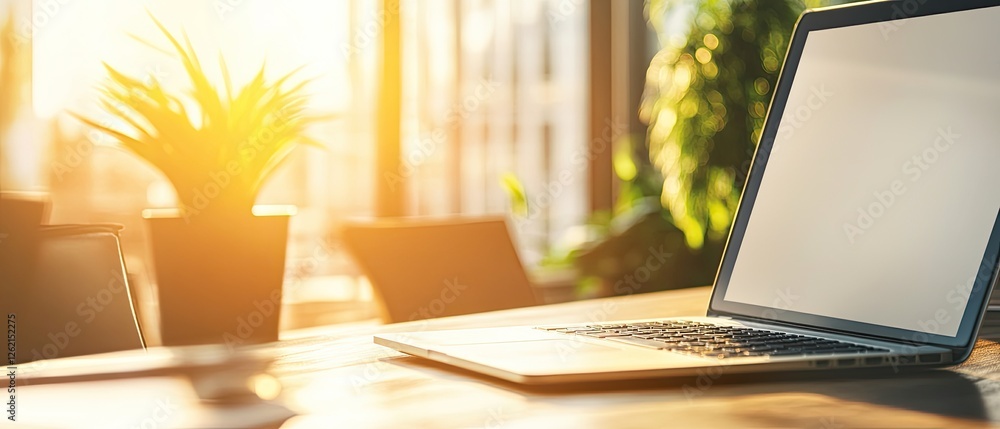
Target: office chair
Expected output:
[427,268]
[65,289]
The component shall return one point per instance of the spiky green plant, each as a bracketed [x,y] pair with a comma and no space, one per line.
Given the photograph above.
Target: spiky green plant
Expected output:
[218,154]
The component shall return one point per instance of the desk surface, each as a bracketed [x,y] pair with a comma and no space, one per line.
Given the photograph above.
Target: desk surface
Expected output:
[336,377]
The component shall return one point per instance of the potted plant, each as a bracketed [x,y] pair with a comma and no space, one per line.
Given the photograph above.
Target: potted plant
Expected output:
[218,260]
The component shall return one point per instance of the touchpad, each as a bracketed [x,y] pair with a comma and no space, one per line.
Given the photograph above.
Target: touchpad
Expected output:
[550,355]
[473,336]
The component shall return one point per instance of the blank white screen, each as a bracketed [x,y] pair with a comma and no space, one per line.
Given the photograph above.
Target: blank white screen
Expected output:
[897,122]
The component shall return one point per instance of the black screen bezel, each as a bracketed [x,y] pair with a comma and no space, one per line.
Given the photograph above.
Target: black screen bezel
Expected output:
[887,12]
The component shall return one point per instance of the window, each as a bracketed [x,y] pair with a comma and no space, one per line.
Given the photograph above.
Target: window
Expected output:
[490,88]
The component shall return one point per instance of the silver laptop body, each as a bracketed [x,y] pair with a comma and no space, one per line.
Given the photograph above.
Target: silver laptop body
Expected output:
[867,233]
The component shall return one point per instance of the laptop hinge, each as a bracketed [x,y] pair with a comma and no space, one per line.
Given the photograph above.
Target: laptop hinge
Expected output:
[955,350]
[831,331]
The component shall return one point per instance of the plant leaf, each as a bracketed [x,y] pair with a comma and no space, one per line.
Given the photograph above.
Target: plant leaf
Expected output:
[257,125]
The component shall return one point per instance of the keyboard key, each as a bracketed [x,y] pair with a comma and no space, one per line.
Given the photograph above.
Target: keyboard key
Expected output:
[761,348]
[606,335]
[639,342]
[787,352]
[576,330]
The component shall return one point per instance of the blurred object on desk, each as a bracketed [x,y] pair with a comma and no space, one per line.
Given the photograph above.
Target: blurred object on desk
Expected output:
[184,387]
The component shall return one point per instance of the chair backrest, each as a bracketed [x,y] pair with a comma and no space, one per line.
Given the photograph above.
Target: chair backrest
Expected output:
[65,291]
[422,269]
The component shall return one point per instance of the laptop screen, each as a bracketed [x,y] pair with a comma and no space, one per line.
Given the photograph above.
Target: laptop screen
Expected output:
[879,195]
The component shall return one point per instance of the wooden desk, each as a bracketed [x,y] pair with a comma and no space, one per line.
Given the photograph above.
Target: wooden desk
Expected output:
[365,385]
[336,377]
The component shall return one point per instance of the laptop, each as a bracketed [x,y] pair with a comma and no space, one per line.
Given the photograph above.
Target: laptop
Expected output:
[867,234]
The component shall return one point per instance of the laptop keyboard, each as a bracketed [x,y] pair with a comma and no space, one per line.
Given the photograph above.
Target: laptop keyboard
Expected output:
[710,340]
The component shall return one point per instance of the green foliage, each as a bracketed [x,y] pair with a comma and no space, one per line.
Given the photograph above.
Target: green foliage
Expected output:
[707,91]
[705,103]
[235,139]
[516,194]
